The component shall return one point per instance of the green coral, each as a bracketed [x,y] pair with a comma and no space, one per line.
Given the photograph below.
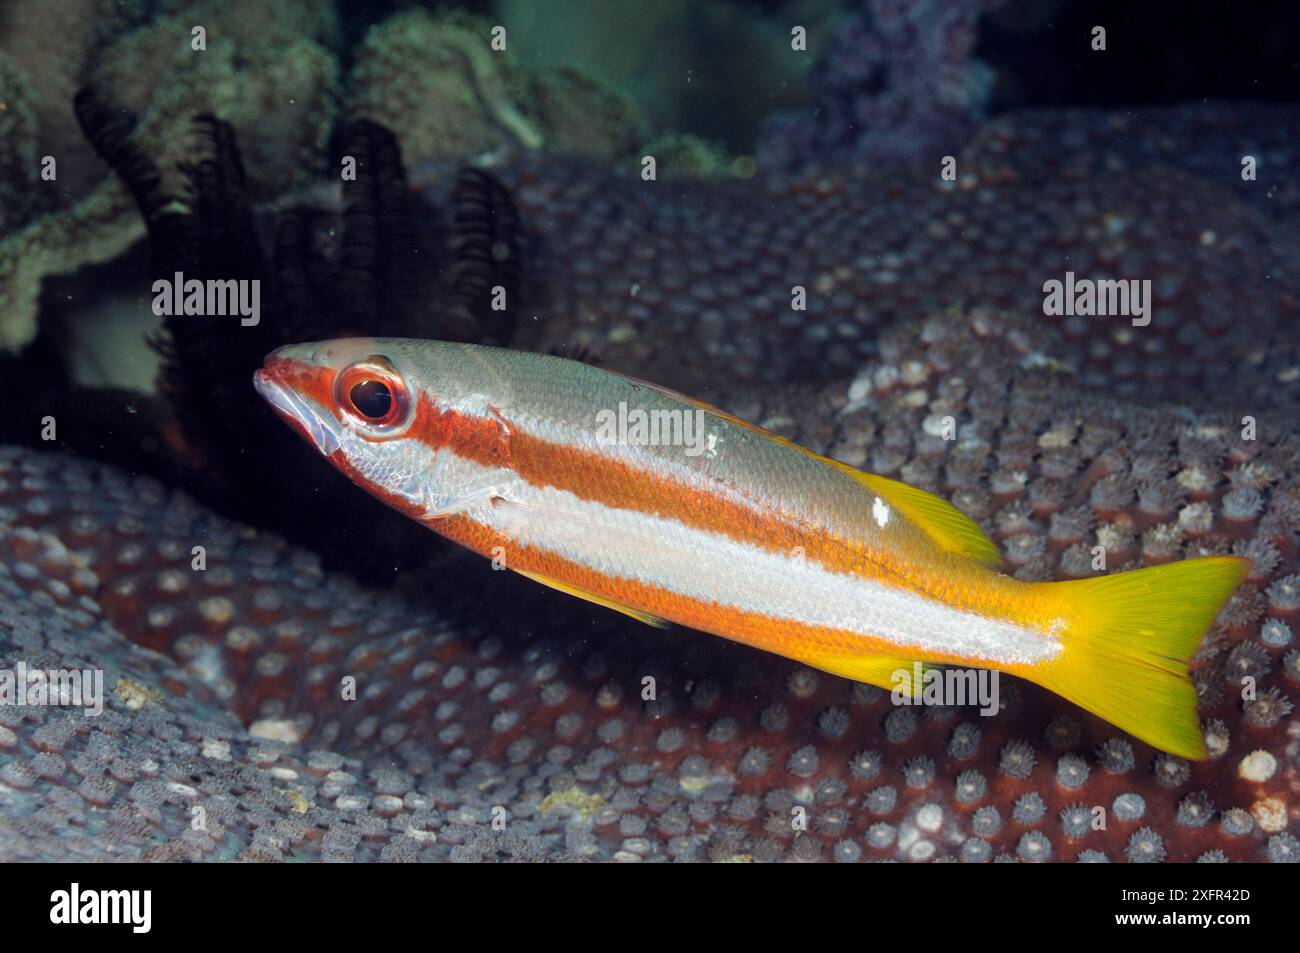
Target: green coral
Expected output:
[581,116]
[436,81]
[18,157]
[439,86]
[266,70]
[260,73]
[680,154]
[54,44]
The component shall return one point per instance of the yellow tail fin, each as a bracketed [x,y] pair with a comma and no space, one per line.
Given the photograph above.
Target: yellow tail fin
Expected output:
[1129,639]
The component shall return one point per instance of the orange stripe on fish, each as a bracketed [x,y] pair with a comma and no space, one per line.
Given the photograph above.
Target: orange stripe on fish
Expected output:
[705,520]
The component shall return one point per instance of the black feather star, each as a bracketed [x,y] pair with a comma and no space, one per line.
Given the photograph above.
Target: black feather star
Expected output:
[484,256]
[321,274]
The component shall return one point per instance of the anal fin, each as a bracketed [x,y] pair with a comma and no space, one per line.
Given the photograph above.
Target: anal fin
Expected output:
[881,671]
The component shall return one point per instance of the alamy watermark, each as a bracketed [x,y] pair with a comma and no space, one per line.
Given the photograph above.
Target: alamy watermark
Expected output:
[1099,297]
[130,907]
[946,686]
[214,298]
[21,686]
[655,428]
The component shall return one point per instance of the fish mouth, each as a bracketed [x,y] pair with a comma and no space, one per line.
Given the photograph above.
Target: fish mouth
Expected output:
[297,411]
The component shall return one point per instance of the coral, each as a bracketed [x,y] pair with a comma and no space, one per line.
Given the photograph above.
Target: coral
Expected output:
[265,70]
[629,269]
[19,160]
[99,228]
[439,85]
[897,83]
[1193,137]
[52,46]
[579,116]
[692,157]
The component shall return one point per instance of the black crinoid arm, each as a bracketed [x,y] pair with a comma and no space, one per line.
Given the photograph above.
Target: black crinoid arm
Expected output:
[363,263]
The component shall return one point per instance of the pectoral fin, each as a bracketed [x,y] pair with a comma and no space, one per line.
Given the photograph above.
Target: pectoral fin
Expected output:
[637,614]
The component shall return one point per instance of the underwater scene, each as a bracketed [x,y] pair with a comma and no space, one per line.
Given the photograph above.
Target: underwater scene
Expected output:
[649,431]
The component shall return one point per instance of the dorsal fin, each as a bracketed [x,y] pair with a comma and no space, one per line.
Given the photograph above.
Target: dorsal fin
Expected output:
[948,526]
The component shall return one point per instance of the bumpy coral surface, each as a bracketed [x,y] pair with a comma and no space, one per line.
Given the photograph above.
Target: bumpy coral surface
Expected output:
[228,731]
[633,269]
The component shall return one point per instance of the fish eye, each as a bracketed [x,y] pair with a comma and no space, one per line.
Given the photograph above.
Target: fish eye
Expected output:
[373,394]
[371,399]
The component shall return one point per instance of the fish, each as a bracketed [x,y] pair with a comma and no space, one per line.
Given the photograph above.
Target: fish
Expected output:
[648,502]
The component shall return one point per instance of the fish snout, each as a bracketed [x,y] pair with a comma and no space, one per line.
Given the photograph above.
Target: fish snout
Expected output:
[282,383]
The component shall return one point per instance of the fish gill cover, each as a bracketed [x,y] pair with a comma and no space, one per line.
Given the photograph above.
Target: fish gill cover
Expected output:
[1019,255]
